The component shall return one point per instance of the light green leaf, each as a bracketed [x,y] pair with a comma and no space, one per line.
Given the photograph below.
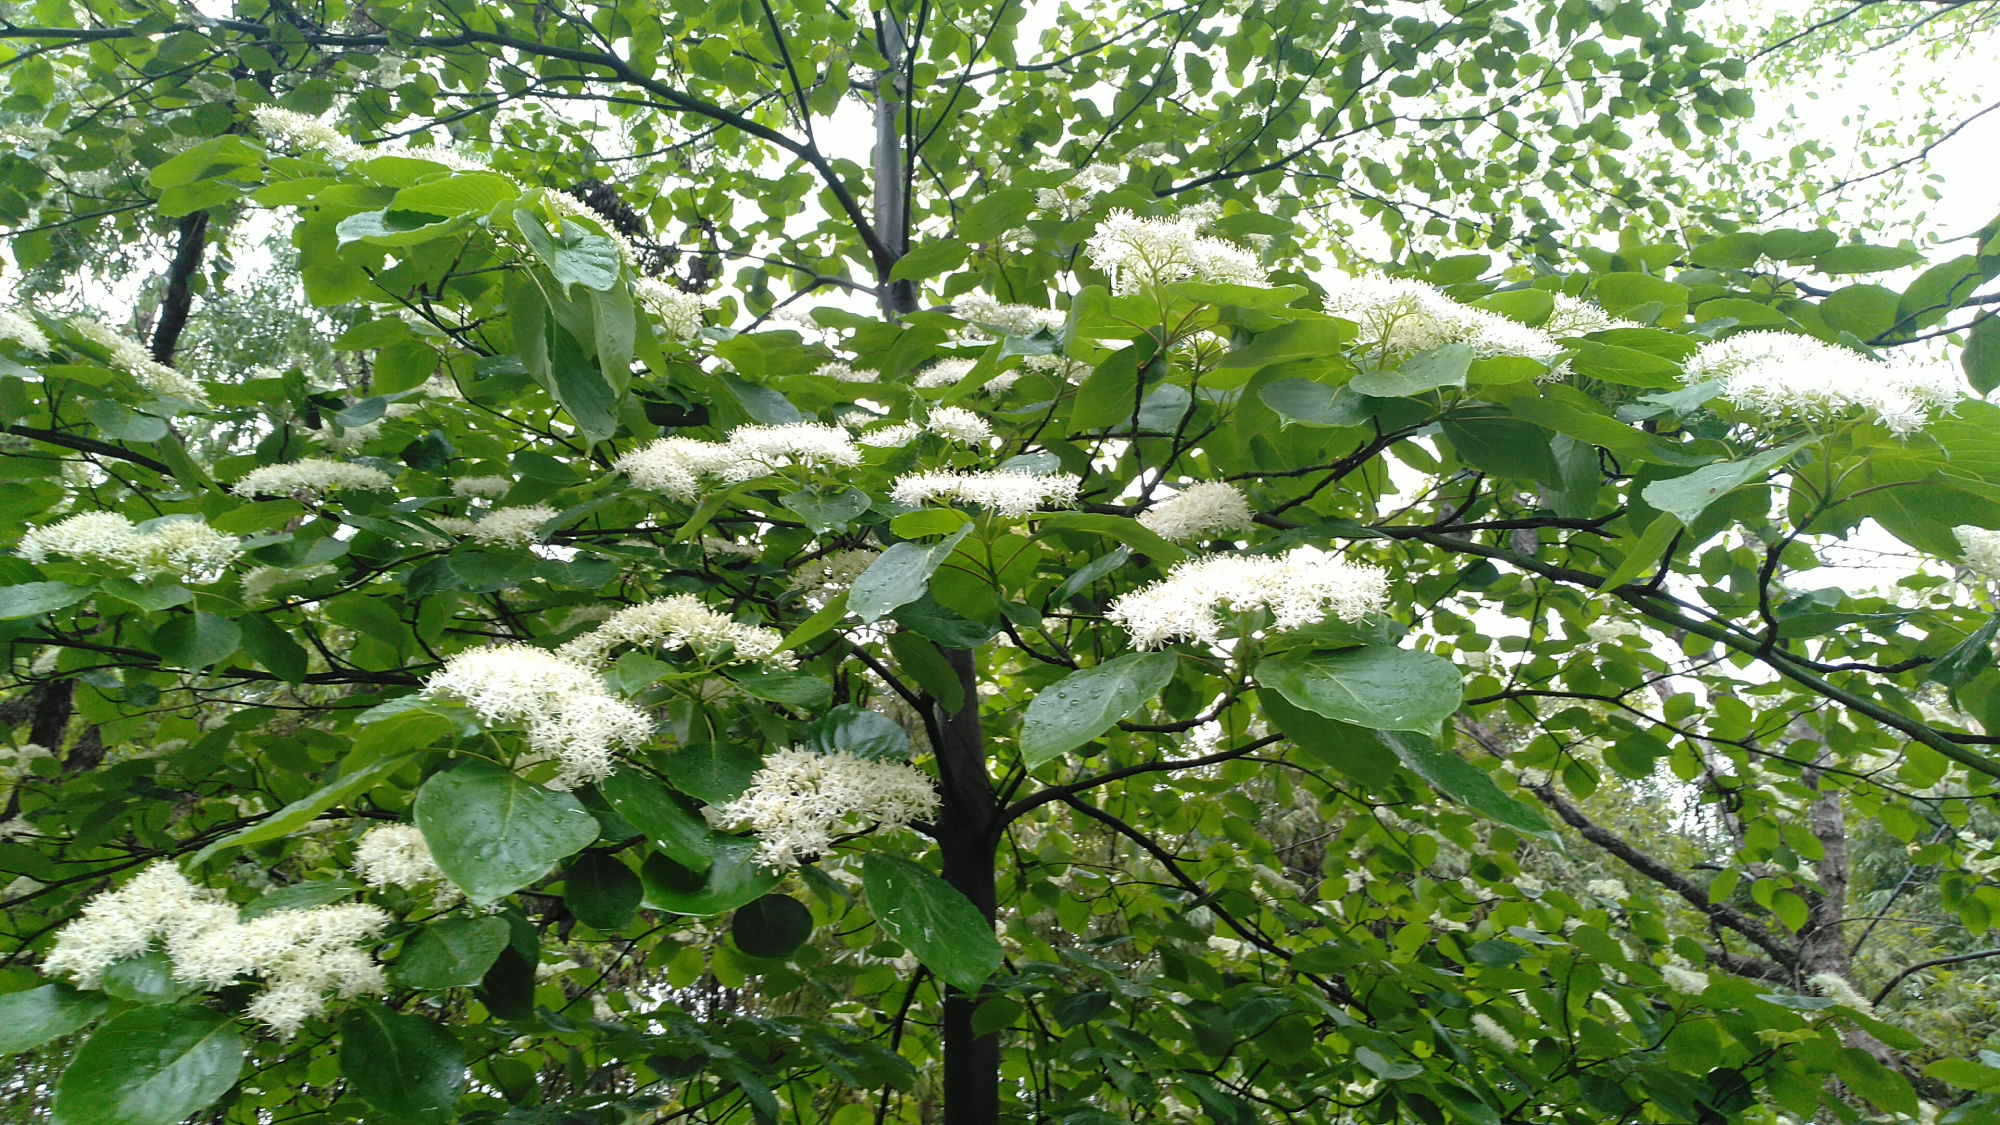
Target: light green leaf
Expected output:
[899,576]
[493,833]
[32,599]
[1464,782]
[1421,373]
[150,1066]
[305,810]
[1684,497]
[931,919]
[1380,687]
[575,257]
[1311,337]
[1087,703]
[929,259]
[31,1018]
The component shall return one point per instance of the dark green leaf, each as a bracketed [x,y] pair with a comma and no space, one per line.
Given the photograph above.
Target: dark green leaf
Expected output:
[773,926]
[931,919]
[602,892]
[1314,404]
[31,1018]
[869,734]
[271,646]
[451,953]
[32,599]
[1087,703]
[735,876]
[405,1066]
[196,640]
[1380,687]
[306,809]
[668,819]
[944,625]
[927,665]
[899,576]
[150,1066]
[1464,782]
[493,833]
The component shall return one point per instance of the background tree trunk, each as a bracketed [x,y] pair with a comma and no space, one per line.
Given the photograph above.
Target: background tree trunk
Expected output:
[179,299]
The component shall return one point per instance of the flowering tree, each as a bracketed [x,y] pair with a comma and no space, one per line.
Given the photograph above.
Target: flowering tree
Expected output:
[1138,675]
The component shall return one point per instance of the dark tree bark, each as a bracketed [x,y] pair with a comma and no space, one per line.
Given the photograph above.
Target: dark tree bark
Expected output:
[179,301]
[966,836]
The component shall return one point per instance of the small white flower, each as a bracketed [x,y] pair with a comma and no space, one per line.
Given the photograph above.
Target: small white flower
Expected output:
[302,955]
[680,313]
[312,475]
[956,423]
[1073,197]
[1490,1030]
[1199,511]
[1014,320]
[1981,549]
[842,373]
[1402,316]
[890,437]
[1613,889]
[23,331]
[676,465]
[1684,978]
[1006,492]
[513,527]
[681,621]
[158,906]
[945,373]
[1574,317]
[1138,253]
[183,547]
[396,855]
[305,133]
[486,488]
[1839,989]
[1787,377]
[1299,587]
[800,800]
[131,357]
[564,708]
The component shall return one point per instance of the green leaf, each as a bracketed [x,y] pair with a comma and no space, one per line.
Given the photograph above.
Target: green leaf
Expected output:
[1981,357]
[712,772]
[1627,367]
[1528,306]
[773,926]
[150,1066]
[1314,404]
[492,833]
[1109,394]
[1644,553]
[32,599]
[931,919]
[1860,258]
[147,979]
[1738,251]
[271,646]
[1310,337]
[451,953]
[921,659]
[1867,311]
[1354,751]
[580,386]
[468,193]
[305,810]
[196,640]
[868,734]
[1503,447]
[389,227]
[818,625]
[1380,687]
[901,575]
[300,896]
[31,1018]
[602,892]
[1421,373]
[405,1066]
[945,625]
[122,423]
[1463,782]
[734,877]
[1965,1074]
[666,818]
[928,259]
[145,595]
[995,213]
[1127,531]
[577,257]
[1684,497]
[1885,1089]
[802,690]
[210,159]
[829,512]
[1086,703]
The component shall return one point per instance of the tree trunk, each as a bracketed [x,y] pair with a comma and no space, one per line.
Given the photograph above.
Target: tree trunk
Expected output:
[966,838]
[892,199]
[179,301]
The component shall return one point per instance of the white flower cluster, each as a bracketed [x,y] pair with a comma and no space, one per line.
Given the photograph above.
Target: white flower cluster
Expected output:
[891,437]
[956,423]
[676,465]
[1073,197]
[843,373]
[1299,587]
[1573,316]
[314,475]
[1008,492]
[16,763]
[1684,978]
[305,133]
[1613,889]
[1981,549]
[1014,320]
[800,800]
[182,547]
[259,581]
[945,373]
[1784,377]
[301,954]
[681,621]
[23,331]
[1840,990]
[1401,316]
[512,527]
[484,488]
[834,573]
[131,357]
[1140,252]
[679,312]
[562,705]
[1610,631]
[1199,511]
[1490,1030]
[397,855]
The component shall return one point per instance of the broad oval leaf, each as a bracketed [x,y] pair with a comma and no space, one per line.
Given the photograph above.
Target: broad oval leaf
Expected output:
[932,920]
[1381,687]
[34,1016]
[493,833]
[734,877]
[666,818]
[405,1066]
[772,926]
[1464,782]
[196,640]
[900,576]
[150,1066]
[451,953]
[602,892]
[32,599]
[1086,703]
